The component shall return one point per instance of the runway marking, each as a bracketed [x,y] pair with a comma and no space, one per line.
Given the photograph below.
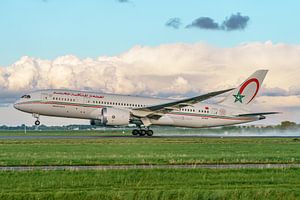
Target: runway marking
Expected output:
[125,167]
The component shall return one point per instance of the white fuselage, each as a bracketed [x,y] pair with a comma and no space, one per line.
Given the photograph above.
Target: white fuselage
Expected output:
[88,105]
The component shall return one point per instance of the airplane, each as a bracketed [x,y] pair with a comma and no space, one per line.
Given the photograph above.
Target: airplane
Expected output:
[121,110]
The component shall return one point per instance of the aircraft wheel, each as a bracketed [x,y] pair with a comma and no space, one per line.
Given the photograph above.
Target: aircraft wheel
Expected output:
[149,132]
[142,132]
[37,122]
[135,132]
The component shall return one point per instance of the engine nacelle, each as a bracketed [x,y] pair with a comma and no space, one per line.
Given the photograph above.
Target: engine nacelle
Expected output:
[96,122]
[112,117]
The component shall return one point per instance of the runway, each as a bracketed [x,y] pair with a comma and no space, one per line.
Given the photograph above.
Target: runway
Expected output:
[127,167]
[16,137]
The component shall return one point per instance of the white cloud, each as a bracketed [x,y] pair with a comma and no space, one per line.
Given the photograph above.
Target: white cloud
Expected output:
[169,69]
[179,85]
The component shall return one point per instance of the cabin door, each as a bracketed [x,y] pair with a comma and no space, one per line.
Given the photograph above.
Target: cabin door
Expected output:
[45,96]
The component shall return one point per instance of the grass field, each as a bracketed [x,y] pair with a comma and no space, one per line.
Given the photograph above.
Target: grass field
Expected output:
[149,184]
[117,151]
[152,184]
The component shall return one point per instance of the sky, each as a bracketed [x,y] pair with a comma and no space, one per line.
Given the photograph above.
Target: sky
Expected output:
[150,48]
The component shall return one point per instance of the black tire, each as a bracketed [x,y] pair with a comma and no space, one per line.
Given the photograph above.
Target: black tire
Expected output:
[37,122]
[135,132]
[142,132]
[149,132]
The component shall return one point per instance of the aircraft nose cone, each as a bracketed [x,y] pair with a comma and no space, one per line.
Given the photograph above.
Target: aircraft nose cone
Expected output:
[17,106]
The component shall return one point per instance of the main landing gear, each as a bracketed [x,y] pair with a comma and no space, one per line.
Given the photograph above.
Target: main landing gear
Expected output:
[142,132]
[37,121]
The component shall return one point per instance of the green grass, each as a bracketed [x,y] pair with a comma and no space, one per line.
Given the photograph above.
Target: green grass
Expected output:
[120,151]
[152,184]
[149,184]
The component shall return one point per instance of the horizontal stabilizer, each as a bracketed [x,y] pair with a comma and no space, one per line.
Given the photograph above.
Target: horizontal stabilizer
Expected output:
[257,114]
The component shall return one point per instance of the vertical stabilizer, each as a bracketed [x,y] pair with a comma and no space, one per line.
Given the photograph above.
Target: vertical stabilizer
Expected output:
[245,94]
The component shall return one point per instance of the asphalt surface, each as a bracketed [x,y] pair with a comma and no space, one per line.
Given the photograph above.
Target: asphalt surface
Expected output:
[155,136]
[125,167]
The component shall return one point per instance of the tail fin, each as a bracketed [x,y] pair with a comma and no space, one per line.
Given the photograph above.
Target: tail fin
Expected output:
[245,94]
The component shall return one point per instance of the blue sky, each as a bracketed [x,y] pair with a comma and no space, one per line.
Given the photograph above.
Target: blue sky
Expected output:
[122,38]
[50,28]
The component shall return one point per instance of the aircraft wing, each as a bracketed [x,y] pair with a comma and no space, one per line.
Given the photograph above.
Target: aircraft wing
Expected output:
[156,111]
[257,114]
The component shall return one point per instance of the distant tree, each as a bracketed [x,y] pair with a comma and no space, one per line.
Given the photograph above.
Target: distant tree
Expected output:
[288,125]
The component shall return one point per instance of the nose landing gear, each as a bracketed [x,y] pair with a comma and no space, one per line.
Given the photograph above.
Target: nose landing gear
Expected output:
[37,122]
[37,116]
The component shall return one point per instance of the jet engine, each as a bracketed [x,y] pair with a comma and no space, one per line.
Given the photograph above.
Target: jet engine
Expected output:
[112,117]
[96,122]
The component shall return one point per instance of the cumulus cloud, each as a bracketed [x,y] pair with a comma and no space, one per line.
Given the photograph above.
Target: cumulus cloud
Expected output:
[234,22]
[275,92]
[165,70]
[204,23]
[174,22]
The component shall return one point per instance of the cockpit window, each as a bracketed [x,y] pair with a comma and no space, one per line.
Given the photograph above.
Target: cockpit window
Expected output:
[26,96]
